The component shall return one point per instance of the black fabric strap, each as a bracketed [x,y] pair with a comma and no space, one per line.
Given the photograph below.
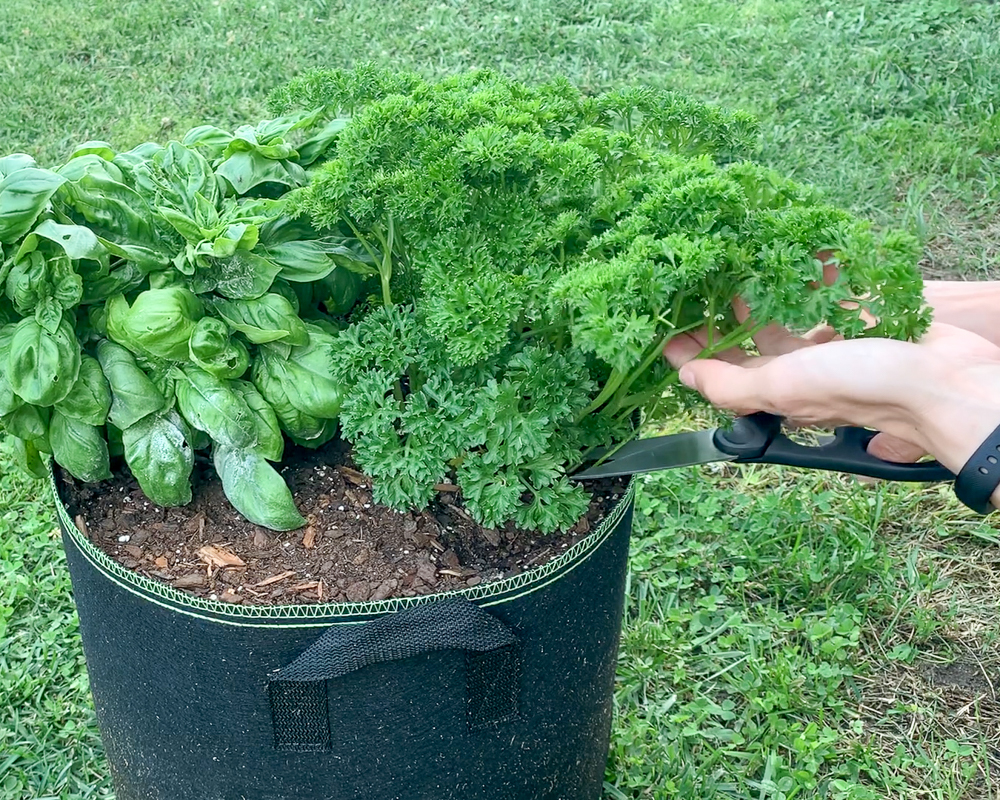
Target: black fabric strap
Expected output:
[980,476]
[298,692]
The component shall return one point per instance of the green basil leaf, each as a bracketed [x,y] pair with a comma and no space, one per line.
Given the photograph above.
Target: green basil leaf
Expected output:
[212,349]
[90,164]
[245,275]
[268,130]
[256,490]
[147,259]
[205,212]
[211,139]
[67,285]
[158,324]
[89,400]
[23,197]
[209,338]
[117,212]
[270,442]
[123,279]
[301,427]
[48,314]
[15,162]
[100,149]
[43,366]
[79,448]
[339,291]
[29,459]
[300,261]
[158,452]
[317,146]
[182,223]
[189,174]
[9,402]
[31,424]
[211,405]
[77,241]
[245,170]
[28,282]
[266,319]
[133,395]
[307,372]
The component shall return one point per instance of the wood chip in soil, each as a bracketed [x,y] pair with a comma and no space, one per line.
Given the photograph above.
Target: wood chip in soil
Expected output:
[351,550]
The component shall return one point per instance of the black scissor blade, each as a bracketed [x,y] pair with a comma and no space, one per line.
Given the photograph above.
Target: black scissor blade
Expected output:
[659,453]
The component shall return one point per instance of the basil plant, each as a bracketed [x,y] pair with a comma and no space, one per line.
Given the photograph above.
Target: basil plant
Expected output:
[162,301]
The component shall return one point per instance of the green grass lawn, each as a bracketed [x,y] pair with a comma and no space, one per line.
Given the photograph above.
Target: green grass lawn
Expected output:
[788,635]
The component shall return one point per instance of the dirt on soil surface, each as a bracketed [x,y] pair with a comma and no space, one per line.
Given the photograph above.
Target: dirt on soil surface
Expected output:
[351,550]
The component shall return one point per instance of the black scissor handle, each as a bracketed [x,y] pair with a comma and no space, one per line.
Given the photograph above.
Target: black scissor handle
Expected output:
[757,439]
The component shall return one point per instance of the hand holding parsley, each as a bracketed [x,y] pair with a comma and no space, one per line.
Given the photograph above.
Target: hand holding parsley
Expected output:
[940,395]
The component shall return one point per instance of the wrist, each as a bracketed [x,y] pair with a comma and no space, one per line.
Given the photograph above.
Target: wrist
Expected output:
[963,413]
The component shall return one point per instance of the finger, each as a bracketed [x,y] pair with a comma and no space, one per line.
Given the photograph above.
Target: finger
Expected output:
[689,346]
[725,385]
[682,349]
[892,448]
[772,339]
[821,334]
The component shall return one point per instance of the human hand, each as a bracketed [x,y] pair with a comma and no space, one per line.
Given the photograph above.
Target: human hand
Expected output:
[939,396]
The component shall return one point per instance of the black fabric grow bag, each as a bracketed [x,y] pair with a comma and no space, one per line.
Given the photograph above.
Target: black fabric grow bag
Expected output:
[499,692]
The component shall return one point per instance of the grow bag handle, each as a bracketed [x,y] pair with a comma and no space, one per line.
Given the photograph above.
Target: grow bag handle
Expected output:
[298,693]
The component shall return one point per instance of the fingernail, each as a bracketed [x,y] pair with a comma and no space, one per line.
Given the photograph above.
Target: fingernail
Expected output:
[687,376]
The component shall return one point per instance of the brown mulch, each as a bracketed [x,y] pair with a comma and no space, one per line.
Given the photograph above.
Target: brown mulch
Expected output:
[352,549]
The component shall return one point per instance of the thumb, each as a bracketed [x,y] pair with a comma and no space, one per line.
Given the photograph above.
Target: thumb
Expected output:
[725,385]
[892,448]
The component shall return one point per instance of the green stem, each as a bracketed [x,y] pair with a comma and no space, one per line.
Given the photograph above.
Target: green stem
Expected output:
[364,242]
[614,381]
[651,356]
[624,406]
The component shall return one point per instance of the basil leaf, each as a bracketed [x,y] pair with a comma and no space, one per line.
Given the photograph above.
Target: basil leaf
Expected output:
[79,448]
[24,194]
[316,146]
[158,324]
[189,174]
[43,366]
[306,375]
[212,139]
[182,223]
[256,490]
[301,262]
[118,212]
[31,424]
[147,259]
[48,314]
[158,452]
[90,164]
[300,427]
[15,162]
[9,401]
[100,149]
[244,275]
[29,459]
[28,282]
[133,395]
[123,279]
[270,442]
[77,241]
[245,170]
[265,319]
[212,349]
[89,400]
[211,405]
